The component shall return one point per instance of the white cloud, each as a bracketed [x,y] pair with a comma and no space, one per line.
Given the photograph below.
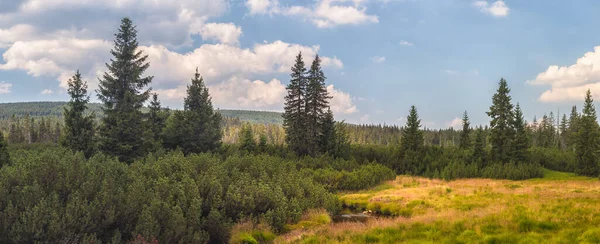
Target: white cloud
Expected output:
[226,33]
[341,101]
[497,8]
[47,92]
[569,83]
[260,6]
[406,43]
[456,123]
[57,58]
[5,87]
[378,59]
[324,13]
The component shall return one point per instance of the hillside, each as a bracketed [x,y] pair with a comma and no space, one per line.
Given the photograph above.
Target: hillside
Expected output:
[56,109]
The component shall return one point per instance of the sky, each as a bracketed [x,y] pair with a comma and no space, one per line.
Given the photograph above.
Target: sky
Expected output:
[379,56]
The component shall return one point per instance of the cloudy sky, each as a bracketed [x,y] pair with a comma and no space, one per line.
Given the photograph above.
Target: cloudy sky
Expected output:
[380,56]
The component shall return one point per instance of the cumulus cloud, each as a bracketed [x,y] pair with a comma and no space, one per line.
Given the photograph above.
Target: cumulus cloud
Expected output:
[324,13]
[5,87]
[569,83]
[39,41]
[177,20]
[341,102]
[47,92]
[227,33]
[456,123]
[497,8]
[378,59]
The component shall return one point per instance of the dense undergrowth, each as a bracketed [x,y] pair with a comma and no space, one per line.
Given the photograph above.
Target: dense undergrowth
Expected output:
[54,195]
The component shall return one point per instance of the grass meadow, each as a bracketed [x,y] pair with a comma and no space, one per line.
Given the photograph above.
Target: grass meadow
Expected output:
[559,208]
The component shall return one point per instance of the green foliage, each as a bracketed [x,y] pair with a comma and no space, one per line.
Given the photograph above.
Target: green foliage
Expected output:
[122,91]
[520,143]
[79,129]
[294,117]
[465,134]
[156,121]
[362,177]
[54,195]
[317,107]
[4,155]
[247,143]
[198,128]
[588,140]
[501,114]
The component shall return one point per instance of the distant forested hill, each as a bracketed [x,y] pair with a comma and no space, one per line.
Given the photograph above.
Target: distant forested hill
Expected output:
[55,109]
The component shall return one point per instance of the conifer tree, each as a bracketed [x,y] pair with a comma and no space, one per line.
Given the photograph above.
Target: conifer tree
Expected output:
[520,144]
[533,131]
[573,127]
[198,128]
[79,129]
[412,136]
[341,148]
[479,154]
[465,134]
[247,142]
[317,104]
[328,136]
[588,139]
[501,114]
[294,116]
[262,143]
[156,118]
[4,155]
[564,132]
[123,92]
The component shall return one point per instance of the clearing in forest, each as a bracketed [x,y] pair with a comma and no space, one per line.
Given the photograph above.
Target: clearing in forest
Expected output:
[560,208]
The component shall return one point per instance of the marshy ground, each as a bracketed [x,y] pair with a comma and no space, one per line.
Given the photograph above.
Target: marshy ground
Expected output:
[559,208]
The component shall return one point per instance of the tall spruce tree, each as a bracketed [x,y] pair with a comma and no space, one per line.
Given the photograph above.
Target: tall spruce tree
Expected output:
[198,128]
[79,129]
[123,92]
[317,104]
[520,144]
[465,134]
[501,130]
[294,116]
[4,155]
[588,139]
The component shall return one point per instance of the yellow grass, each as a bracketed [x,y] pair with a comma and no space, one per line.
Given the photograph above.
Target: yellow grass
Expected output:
[560,209]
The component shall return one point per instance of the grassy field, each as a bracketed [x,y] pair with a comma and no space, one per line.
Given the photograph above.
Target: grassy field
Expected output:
[560,208]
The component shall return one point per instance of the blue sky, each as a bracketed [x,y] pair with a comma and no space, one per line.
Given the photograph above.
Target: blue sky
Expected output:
[380,56]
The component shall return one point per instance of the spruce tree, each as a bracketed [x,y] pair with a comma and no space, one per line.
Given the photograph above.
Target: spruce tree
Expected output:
[341,148]
[123,93]
[573,128]
[564,132]
[479,154]
[4,155]
[247,142]
[79,129]
[156,119]
[533,131]
[412,136]
[520,144]
[588,139]
[294,116]
[198,128]
[501,114]
[412,144]
[465,134]
[317,104]
[328,136]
